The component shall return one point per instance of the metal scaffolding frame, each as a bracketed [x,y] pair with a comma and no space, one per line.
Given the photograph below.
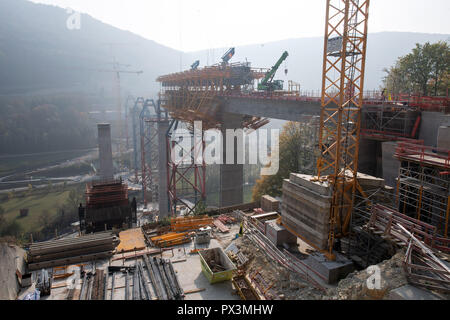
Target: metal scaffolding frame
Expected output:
[423,185]
[135,114]
[388,122]
[149,119]
[193,94]
[186,170]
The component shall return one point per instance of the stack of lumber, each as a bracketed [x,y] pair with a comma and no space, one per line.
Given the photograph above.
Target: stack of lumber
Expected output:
[190,223]
[171,239]
[221,226]
[226,219]
[68,251]
[269,204]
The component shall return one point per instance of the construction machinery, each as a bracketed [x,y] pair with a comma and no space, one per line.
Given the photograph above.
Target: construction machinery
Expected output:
[268,84]
[227,56]
[195,65]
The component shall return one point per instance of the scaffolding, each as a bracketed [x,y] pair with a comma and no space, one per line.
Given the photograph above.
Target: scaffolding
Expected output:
[423,184]
[193,94]
[135,113]
[186,167]
[389,122]
[149,120]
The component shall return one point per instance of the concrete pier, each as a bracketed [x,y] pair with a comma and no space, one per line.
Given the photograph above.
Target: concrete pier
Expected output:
[163,198]
[231,175]
[105,151]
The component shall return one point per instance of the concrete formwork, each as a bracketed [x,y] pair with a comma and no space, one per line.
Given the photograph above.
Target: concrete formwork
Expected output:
[306,208]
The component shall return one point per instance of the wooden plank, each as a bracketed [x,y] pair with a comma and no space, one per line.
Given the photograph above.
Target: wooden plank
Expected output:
[221,226]
[179,260]
[194,290]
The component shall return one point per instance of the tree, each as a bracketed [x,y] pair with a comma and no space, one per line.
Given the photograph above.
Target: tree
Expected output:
[297,153]
[2,211]
[44,218]
[75,198]
[426,69]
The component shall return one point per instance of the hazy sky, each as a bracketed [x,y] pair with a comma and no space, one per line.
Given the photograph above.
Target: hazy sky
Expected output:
[192,25]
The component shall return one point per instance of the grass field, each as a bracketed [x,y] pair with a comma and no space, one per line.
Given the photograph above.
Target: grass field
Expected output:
[36,203]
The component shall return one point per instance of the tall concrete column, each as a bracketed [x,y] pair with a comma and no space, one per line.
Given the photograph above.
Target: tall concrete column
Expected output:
[163,126]
[106,171]
[231,175]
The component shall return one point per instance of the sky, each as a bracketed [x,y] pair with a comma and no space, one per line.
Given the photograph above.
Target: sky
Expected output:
[192,25]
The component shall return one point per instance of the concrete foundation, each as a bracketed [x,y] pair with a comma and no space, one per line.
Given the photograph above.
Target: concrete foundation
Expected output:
[105,151]
[306,208]
[333,271]
[278,234]
[231,175]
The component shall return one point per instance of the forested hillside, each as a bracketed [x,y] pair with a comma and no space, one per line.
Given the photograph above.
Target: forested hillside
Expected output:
[45,123]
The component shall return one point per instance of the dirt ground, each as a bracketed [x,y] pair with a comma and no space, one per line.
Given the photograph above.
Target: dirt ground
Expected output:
[9,286]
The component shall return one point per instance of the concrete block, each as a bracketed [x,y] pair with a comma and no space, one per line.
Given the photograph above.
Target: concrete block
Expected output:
[278,234]
[333,271]
[369,182]
[409,292]
[304,180]
[269,204]
[306,210]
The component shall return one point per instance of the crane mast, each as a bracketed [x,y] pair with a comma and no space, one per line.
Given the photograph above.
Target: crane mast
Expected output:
[341,102]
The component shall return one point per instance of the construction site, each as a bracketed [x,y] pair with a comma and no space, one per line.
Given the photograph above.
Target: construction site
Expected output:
[371,223]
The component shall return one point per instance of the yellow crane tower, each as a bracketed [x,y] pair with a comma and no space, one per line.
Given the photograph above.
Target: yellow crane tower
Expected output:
[342,98]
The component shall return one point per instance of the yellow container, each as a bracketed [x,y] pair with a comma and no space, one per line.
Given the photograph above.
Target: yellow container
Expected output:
[215,277]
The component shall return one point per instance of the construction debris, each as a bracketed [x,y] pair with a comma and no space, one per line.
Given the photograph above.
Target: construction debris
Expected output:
[423,268]
[216,265]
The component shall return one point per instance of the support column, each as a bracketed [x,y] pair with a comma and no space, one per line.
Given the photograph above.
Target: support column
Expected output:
[105,151]
[231,175]
[163,199]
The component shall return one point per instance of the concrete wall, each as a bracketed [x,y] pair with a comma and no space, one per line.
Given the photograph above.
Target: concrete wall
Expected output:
[444,137]
[390,164]
[367,162]
[431,121]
